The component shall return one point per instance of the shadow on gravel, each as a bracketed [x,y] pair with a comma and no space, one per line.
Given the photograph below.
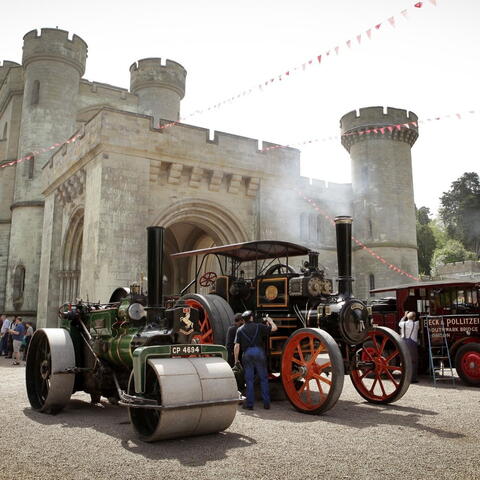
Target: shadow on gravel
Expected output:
[113,421]
[365,415]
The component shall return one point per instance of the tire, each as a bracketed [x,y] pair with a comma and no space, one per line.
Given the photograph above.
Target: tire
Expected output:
[383,368]
[312,383]
[50,353]
[216,316]
[467,363]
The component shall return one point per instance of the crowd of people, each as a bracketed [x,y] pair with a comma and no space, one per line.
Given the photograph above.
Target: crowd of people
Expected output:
[15,335]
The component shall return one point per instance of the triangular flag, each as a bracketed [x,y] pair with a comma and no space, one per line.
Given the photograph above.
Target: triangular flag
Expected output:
[369,33]
[398,127]
[382,130]
[391,20]
[458,116]
[433,2]
[328,53]
[349,43]
[359,38]
[375,130]
[390,129]
[287,73]
[418,5]
[337,49]
[406,125]
[319,58]
[404,13]
[378,25]
[310,62]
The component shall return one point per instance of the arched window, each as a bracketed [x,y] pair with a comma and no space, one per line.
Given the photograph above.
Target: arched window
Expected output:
[319,227]
[5,131]
[18,286]
[304,226]
[35,98]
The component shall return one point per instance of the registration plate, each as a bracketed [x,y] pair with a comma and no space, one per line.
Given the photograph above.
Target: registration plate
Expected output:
[185,349]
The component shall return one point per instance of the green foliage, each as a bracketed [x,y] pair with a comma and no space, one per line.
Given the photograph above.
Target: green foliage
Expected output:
[452,251]
[460,211]
[425,240]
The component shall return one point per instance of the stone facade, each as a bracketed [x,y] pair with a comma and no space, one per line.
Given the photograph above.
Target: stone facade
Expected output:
[72,220]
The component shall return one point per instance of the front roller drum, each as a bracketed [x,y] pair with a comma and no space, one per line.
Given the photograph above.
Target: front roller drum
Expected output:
[184,387]
[49,370]
[312,370]
[383,368]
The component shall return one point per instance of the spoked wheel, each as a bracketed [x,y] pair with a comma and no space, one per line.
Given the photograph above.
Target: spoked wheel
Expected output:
[312,370]
[216,316]
[50,354]
[383,367]
[183,387]
[467,363]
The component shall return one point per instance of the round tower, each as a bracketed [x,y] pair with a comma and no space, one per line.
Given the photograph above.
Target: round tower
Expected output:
[52,65]
[379,142]
[159,88]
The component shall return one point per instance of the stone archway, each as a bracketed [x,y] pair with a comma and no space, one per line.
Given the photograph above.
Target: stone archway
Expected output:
[71,258]
[191,225]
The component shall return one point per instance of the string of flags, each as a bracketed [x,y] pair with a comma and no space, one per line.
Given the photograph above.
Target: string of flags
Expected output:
[389,265]
[314,61]
[375,130]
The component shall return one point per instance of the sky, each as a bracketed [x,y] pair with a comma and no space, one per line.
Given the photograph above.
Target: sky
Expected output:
[427,63]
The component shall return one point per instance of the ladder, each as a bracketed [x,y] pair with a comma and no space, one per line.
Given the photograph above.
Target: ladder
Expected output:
[438,351]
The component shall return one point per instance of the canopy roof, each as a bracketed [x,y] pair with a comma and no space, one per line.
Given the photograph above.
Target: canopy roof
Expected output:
[244,252]
[438,283]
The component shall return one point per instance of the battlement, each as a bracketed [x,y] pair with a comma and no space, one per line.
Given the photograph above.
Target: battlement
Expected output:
[55,44]
[150,72]
[377,123]
[5,67]
[375,116]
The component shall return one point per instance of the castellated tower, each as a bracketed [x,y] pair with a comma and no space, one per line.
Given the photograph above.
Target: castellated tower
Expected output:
[52,65]
[159,88]
[382,185]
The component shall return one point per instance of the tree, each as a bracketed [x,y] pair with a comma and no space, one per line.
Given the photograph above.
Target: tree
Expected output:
[425,240]
[453,251]
[460,211]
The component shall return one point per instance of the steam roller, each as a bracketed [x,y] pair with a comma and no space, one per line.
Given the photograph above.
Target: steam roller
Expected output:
[138,354]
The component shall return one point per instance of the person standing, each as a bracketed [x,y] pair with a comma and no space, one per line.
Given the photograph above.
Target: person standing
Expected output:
[251,340]
[231,334]
[409,332]
[27,338]
[4,333]
[17,331]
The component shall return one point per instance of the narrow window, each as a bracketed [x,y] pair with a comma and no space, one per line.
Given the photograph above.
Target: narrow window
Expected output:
[18,286]
[370,228]
[30,166]
[371,279]
[312,227]
[304,226]
[35,93]
[5,131]
[319,228]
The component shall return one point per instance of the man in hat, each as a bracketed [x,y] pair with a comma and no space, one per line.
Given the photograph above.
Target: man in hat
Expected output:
[251,340]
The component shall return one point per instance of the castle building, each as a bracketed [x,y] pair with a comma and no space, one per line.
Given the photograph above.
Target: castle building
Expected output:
[73,218]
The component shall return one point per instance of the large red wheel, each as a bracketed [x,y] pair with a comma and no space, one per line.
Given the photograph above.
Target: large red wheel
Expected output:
[312,370]
[383,367]
[216,316]
[467,363]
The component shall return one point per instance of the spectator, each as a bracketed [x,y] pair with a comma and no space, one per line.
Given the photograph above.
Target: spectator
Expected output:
[27,338]
[17,331]
[409,332]
[4,334]
[231,333]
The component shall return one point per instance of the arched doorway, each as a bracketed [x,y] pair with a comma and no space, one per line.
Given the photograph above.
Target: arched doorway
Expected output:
[71,259]
[191,225]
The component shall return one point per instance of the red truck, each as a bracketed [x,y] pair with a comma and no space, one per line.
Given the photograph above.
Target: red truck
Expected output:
[454,303]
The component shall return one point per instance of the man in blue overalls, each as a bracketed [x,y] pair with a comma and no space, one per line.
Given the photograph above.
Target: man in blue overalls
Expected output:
[251,339]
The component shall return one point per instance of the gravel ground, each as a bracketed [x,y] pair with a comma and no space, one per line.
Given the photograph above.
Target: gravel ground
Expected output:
[432,432]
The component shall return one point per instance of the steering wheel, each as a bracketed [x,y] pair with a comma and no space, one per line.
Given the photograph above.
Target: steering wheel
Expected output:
[207,279]
[279,266]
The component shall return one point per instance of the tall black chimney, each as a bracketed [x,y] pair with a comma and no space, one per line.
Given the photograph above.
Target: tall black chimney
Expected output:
[343,227]
[155,266]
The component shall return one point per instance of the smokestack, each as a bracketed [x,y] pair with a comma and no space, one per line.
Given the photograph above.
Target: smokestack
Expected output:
[155,266]
[343,227]
[313,260]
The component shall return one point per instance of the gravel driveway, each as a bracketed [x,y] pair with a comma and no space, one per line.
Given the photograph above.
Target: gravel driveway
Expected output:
[432,432]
